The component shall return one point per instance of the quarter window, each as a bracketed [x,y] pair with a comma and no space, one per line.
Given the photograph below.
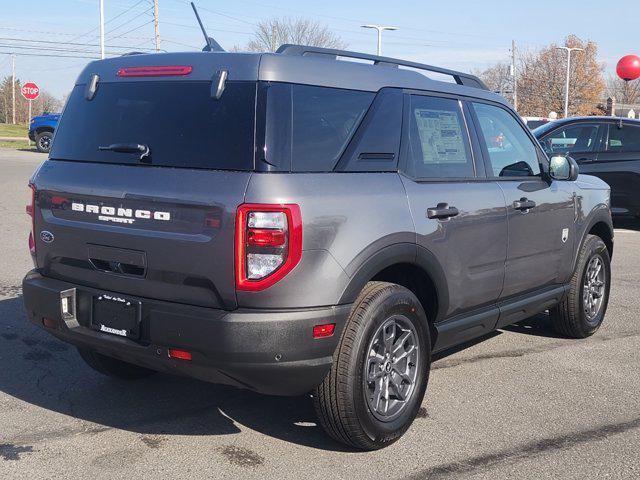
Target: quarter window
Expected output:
[438,139]
[625,139]
[511,152]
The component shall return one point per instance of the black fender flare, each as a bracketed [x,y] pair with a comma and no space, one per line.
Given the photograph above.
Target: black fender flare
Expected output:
[599,214]
[397,253]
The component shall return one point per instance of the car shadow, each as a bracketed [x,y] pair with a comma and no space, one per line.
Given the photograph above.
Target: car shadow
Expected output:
[44,371]
[538,325]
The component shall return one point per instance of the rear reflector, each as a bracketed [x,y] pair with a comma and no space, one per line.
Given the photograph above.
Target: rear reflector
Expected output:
[179,354]
[163,71]
[325,330]
[31,212]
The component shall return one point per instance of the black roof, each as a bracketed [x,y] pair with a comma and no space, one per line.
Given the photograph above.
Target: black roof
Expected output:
[592,118]
[302,65]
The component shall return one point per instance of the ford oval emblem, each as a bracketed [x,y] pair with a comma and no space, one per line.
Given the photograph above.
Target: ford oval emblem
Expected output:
[46,237]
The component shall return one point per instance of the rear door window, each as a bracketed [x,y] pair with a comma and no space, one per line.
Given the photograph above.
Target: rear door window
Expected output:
[180,122]
[437,139]
[625,139]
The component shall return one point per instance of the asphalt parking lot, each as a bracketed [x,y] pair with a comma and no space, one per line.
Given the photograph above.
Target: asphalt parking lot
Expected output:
[522,403]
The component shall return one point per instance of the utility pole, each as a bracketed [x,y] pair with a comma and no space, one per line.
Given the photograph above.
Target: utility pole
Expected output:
[155,24]
[13,88]
[566,92]
[379,28]
[102,29]
[513,74]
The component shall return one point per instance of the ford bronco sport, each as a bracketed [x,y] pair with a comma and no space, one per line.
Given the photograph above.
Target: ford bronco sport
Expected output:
[298,222]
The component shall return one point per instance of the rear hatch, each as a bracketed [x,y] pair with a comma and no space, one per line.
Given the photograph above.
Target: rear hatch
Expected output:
[158,225]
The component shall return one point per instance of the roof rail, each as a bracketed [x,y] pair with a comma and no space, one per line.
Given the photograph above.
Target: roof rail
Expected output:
[304,50]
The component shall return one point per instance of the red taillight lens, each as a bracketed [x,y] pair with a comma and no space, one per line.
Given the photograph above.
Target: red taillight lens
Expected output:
[326,330]
[179,354]
[262,237]
[161,71]
[268,244]
[31,212]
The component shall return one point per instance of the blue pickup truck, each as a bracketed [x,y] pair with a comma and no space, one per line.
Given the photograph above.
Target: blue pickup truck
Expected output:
[41,130]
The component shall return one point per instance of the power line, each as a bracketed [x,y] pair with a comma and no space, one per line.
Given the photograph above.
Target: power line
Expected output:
[129,21]
[53,42]
[133,29]
[23,54]
[109,21]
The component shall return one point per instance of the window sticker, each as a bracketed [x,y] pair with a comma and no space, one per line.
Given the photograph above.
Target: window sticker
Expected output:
[440,136]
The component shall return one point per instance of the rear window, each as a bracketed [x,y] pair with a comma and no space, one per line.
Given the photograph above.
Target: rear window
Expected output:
[179,121]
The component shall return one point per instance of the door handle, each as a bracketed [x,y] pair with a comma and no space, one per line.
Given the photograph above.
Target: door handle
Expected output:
[524,204]
[442,210]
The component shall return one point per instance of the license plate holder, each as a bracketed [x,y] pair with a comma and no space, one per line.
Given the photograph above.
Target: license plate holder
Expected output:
[116,315]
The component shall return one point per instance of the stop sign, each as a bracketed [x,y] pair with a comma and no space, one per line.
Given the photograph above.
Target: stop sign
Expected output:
[30,91]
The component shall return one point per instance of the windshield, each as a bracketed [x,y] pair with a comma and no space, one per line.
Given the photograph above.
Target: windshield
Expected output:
[180,122]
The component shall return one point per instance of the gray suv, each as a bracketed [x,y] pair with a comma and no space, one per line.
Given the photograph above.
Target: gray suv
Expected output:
[299,222]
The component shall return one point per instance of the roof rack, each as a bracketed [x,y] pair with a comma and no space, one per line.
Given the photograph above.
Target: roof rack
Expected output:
[304,50]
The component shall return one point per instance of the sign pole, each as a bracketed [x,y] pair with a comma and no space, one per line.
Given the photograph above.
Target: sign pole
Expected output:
[29,119]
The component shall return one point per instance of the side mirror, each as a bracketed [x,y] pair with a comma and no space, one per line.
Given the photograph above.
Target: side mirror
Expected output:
[563,168]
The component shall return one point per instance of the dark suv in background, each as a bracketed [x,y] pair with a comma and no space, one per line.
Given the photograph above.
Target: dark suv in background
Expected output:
[291,222]
[607,147]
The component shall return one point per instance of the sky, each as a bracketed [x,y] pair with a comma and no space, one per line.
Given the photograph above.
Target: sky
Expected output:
[458,34]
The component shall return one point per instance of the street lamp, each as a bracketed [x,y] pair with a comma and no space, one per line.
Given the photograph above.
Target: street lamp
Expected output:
[566,93]
[379,28]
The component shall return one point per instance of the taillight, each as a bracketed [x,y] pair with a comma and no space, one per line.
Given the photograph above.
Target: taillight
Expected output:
[31,211]
[160,71]
[268,244]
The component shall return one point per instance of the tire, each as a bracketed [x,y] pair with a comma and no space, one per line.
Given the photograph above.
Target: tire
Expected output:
[113,367]
[345,402]
[574,317]
[43,141]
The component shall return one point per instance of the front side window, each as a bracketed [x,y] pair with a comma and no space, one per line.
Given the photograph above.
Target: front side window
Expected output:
[625,139]
[511,152]
[573,138]
[438,139]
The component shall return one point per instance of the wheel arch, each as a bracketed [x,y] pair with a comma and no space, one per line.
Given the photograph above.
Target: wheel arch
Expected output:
[44,128]
[599,223]
[411,266]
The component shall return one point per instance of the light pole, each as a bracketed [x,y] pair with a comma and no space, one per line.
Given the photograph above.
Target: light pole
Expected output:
[566,93]
[379,28]
[102,29]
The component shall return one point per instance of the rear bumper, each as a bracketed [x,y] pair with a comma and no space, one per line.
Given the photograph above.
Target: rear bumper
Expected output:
[268,351]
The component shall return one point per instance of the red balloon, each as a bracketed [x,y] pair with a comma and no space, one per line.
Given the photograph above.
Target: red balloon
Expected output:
[628,67]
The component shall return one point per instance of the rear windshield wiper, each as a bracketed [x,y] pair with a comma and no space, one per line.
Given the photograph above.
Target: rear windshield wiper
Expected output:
[139,148]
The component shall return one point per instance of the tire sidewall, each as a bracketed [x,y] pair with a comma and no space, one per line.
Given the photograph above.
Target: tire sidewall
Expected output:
[402,302]
[593,246]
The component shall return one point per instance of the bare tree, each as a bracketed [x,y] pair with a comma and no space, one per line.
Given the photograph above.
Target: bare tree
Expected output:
[272,33]
[497,77]
[541,80]
[623,92]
